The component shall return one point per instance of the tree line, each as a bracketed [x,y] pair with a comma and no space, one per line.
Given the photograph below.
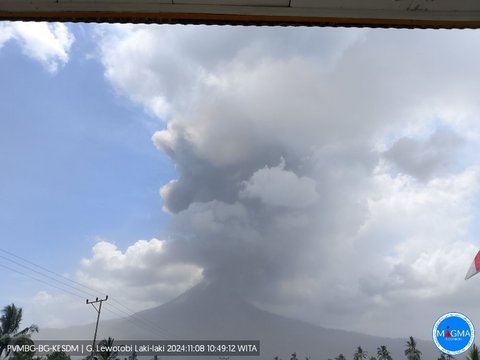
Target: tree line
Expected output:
[12,334]
[411,353]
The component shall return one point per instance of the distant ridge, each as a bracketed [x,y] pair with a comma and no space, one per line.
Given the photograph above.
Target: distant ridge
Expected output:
[211,312]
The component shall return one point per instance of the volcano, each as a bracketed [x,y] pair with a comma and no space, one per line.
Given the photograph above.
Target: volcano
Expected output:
[212,312]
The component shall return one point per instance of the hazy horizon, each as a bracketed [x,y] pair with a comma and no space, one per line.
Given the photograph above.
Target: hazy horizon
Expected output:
[325,174]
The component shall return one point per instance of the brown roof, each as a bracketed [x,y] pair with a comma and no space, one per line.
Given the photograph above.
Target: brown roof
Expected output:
[371,13]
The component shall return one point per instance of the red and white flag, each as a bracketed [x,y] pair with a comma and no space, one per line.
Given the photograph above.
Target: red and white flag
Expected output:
[474,268]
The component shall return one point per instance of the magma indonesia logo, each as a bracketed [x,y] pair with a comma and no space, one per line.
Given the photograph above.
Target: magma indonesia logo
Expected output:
[453,333]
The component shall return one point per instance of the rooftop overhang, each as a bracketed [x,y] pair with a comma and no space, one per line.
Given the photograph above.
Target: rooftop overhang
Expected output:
[371,13]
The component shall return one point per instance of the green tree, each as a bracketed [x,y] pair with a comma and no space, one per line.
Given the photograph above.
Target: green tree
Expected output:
[340,357]
[133,356]
[383,353]
[9,329]
[30,355]
[106,354]
[360,354]
[473,353]
[58,355]
[293,356]
[411,352]
[444,356]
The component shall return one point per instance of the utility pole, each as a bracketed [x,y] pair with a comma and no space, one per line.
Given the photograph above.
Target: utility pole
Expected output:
[97,300]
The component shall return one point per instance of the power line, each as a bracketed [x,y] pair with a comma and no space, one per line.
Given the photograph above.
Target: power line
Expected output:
[48,271]
[39,273]
[128,317]
[131,314]
[40,280]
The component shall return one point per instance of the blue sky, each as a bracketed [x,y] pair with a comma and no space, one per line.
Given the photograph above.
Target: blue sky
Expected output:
[77,160]
[142,160]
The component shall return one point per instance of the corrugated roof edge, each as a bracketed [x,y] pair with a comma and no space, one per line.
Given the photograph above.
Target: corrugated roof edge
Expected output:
[229,19]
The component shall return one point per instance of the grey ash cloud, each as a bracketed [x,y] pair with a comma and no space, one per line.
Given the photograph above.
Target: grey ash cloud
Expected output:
[426,158]
[283,189]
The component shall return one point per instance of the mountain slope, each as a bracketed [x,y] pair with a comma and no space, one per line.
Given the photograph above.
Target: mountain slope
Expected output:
[214,313]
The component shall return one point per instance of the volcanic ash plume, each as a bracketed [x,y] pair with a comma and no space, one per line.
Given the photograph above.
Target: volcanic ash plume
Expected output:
[312,178]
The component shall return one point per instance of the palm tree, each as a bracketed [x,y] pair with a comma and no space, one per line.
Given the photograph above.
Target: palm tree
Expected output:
[58,355]
[24,356]
[107,355]
[9,325]
[360,354]
[473,354]
[133,356]
[383,353]
[411,352]
[443,356]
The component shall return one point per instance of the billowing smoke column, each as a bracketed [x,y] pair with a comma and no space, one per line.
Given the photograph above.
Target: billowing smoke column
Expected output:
[309,172]
[265,165]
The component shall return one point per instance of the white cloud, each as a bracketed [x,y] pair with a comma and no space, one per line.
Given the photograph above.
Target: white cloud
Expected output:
[6,33]
[48,43]
[279,187]
[429,226]
[145,272]
[372,201]
[43,298]
[160,67]
[52,310]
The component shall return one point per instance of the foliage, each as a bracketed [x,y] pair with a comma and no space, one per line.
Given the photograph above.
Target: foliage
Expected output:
[58,355]
[411,352]
[133,356]
[360,354]
[9,331]
[473,353]
[383,353]
[444,356]
[106,355]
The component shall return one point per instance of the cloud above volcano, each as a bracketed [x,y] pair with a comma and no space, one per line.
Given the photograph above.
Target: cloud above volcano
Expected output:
[323,173]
